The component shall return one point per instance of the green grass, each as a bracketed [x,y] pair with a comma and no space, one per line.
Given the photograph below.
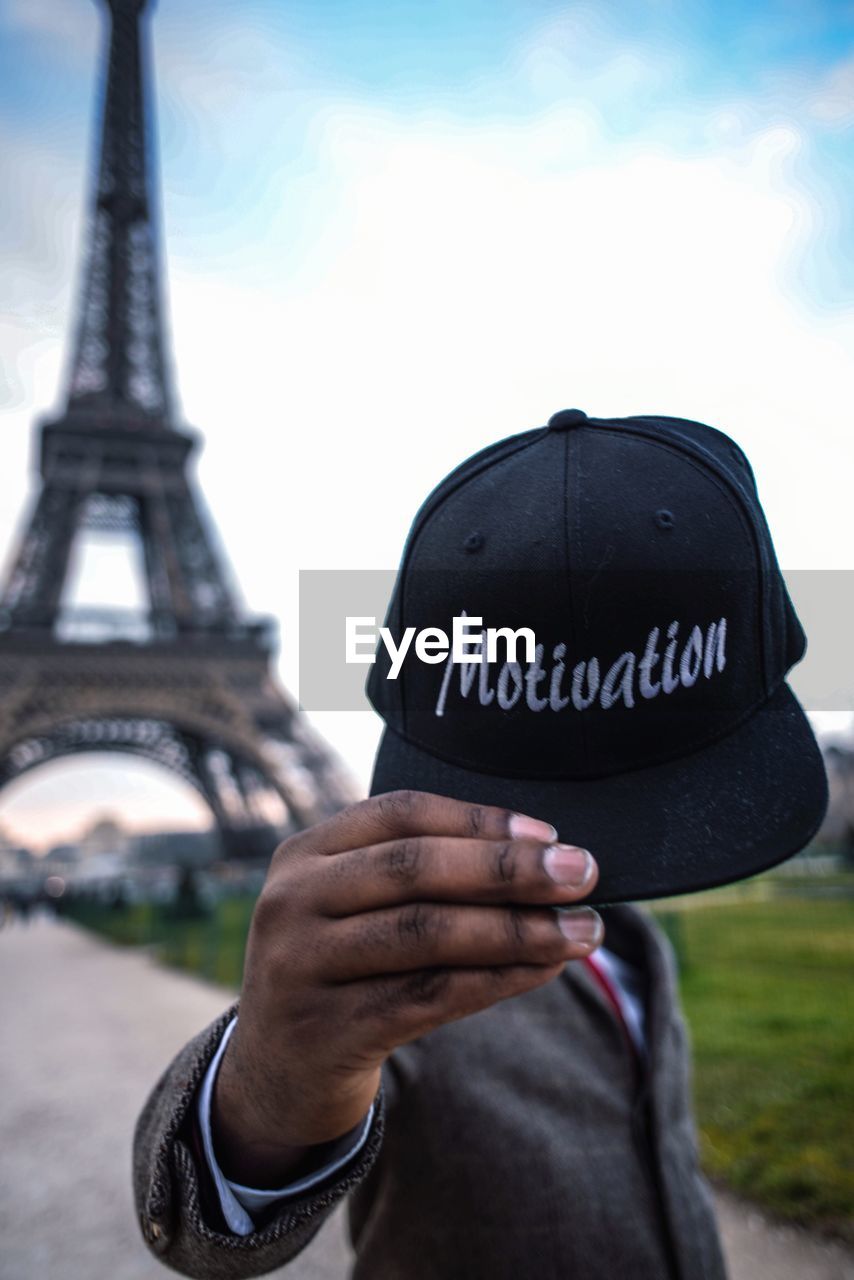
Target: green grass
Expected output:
[210,946]
[767,991]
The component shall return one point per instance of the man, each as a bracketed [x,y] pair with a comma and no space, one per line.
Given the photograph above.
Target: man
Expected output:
[429,1022]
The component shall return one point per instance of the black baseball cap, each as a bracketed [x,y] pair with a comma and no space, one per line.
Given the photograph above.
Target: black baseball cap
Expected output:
[651,723]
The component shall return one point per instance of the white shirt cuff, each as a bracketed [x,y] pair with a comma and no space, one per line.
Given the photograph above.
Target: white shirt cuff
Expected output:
[236,1201]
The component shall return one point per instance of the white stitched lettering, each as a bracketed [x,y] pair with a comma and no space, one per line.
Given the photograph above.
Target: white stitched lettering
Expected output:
[628,676]
[618,682]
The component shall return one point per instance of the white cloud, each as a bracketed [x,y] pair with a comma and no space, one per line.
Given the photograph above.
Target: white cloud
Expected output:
[832,100]
[69,28]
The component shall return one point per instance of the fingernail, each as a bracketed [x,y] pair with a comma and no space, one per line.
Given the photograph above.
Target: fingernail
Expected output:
[567,864]
[582,926]
[522,828]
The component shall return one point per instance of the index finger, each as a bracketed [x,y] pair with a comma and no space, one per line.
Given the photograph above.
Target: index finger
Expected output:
[419,813]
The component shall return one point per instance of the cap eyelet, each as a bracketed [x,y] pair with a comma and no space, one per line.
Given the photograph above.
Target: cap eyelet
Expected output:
[473,542]
[664,519]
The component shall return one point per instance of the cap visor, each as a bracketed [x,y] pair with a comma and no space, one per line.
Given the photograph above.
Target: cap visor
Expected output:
[731,810]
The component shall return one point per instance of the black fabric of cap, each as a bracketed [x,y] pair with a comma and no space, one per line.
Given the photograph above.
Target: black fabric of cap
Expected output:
[654,726]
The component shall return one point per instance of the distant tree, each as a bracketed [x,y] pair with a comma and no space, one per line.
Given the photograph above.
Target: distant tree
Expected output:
[189,902]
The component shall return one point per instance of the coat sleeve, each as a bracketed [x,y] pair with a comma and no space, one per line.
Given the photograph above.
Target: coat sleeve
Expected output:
[176,1200]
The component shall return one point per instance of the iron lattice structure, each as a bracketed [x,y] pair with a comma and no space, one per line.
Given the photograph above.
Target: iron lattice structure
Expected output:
[189,683]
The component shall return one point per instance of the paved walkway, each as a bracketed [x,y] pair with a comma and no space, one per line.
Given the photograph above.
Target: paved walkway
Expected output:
[86,1029]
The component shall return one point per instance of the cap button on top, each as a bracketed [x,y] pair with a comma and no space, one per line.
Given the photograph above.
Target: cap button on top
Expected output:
[565,418]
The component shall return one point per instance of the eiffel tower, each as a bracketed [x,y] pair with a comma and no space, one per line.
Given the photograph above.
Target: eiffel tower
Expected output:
[188,683]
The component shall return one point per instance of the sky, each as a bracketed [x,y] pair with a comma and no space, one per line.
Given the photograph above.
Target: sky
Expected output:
[396,232]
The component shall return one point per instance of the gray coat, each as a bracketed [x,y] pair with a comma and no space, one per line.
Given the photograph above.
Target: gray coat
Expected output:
[520,1142]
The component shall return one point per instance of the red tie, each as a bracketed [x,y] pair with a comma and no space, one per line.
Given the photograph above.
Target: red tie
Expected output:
[606,985]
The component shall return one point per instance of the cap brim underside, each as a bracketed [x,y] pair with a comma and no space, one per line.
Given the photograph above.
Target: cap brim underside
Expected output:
[738,807]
